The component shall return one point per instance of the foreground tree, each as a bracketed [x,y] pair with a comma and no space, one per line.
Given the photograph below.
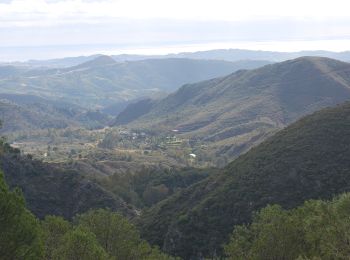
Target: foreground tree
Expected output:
[117,236]
[316,230]
[79,244]
[54,231]
[20,233]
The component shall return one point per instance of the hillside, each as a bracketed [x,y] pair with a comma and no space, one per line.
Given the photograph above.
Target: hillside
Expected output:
[233,113]
[133,111]
[49,190]
[307,160]
[102,82]
[28,112]
[10,71]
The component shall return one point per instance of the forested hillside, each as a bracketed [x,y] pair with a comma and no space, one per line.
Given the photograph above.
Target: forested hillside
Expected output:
[154,165]
[174,130]
[316,230]
[307,160]
[95,235]
[50,190]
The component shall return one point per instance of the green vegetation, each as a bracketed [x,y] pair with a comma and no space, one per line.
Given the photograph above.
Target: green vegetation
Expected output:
[147,187]
[117,236]
[114,233]
[53,190]
[118,180]
[217,119]
[54,229]
[316,230]
[307,160]
[85,183]
[79,244]
[96,235]
[20,233]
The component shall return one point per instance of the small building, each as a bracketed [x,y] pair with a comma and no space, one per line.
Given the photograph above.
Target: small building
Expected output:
[192,155]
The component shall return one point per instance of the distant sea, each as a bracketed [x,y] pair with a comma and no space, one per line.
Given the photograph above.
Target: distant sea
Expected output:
[24,53]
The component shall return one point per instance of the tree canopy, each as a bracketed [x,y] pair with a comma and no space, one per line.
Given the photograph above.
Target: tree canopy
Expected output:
[316,230]
[20,236]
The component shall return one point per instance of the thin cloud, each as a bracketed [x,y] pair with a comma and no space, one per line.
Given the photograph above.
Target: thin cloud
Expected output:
[154,25]
[34,12]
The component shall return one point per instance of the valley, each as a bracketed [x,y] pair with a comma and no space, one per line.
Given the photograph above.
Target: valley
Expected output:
[215,120]
[186,150]
[118,144]
[174,130]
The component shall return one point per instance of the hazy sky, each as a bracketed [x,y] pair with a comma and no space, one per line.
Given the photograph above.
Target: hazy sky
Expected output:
[54,28]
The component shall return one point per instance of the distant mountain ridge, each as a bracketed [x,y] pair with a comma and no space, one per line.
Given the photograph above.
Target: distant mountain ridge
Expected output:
[275,56]
[215,54]
[235,112]
[102,82]
[239,55]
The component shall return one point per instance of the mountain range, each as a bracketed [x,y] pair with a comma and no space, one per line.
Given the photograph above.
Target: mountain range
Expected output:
[258,115]
[103,82]
[235,112]
[217,54]
[239,54]
[274,56]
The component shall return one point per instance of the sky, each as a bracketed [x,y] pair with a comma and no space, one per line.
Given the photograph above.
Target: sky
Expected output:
[41,29]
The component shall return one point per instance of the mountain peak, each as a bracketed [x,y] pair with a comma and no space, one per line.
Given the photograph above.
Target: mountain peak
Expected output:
[102,60]
[319,62]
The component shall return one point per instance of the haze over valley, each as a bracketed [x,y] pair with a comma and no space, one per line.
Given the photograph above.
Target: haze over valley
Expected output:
[189,130]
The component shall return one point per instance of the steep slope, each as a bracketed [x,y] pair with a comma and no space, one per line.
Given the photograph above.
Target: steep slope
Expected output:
[307,160]
[51,191]
[235,112]
[103,82]
[133,111]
